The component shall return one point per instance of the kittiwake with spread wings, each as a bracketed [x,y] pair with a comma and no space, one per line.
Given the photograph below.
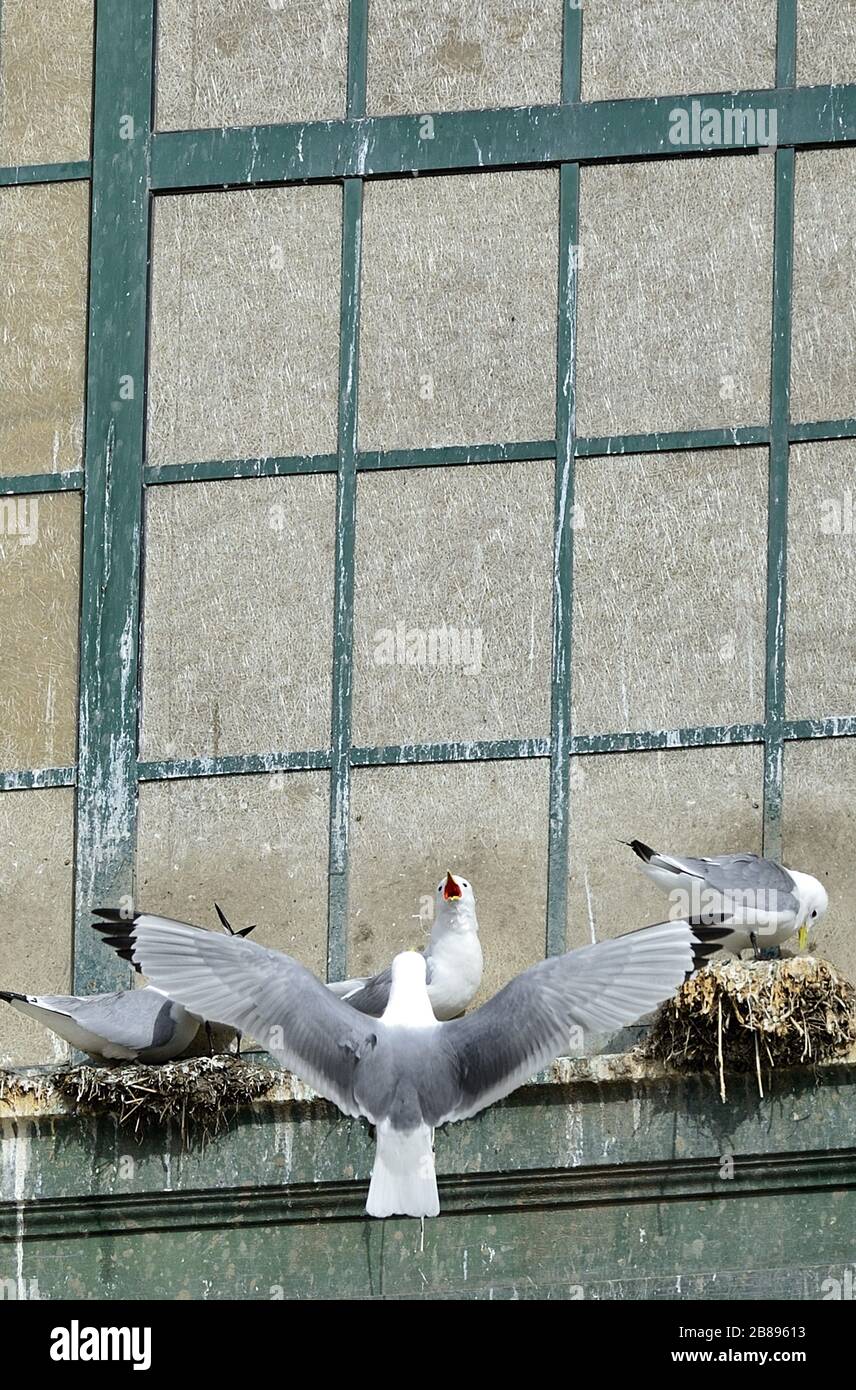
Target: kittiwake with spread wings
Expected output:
[407,1072]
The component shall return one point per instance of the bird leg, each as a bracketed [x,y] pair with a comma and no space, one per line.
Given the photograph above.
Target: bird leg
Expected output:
[753,938]
[210,1037]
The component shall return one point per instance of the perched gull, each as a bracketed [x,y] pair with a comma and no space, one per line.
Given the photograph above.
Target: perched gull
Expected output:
[762,900]
[132,1025]
[407,1072]
[453,959]
[129,1025]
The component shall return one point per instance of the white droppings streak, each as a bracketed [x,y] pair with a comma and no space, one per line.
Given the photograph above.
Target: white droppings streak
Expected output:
[589,908]
[573,1136]
[14,1166]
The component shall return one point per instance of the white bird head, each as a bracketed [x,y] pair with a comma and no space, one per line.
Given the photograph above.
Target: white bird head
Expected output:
[813,902]
[408,969]
[409,1005]
[455,905]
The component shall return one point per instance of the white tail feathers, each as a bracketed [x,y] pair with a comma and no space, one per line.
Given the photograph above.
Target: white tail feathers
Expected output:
[404,1182]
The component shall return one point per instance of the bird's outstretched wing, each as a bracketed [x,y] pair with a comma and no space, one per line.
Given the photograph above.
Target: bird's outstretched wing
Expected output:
[264,993]
[532,1020]
[369,996]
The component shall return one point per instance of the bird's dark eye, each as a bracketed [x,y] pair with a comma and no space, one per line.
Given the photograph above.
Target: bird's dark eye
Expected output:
[814,913]
[464,882]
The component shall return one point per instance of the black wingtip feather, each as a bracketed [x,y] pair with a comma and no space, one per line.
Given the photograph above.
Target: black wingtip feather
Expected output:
[224,920]
[710,932]
[642,850]
[117,931]
[119,915]
[244,931]
[9,994]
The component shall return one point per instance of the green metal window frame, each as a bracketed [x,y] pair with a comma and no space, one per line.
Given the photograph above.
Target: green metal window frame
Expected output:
[125,175]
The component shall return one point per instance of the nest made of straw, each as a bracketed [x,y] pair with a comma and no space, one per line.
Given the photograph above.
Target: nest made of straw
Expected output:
[199,1094]
[742,1015]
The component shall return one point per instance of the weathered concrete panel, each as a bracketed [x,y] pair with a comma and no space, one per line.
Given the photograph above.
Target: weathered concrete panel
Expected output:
[36,846]
[819,831]
[458,335]
[238,614]
[487,821]
[245,324]
[691,801]
[256,845]
[675,294]
[251,62]
[451,58]
[821,626]
[453,604]
[826,41]
[823,352]
[43,247]
[39,601]
[669,590]
[657,47]
[45,80]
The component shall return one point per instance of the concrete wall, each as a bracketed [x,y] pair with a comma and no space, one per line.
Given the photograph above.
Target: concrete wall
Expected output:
[457,348]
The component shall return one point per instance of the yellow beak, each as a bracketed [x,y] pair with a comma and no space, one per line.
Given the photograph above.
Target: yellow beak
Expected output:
[803,937]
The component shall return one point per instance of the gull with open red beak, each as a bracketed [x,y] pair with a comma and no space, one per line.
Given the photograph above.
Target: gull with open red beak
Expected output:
[453,958]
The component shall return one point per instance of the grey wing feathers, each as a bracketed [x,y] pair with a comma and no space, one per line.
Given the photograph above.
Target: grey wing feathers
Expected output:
[739,872]
[135,1019]
[530,1022]
[370,996]
[262,993]
[132,1018]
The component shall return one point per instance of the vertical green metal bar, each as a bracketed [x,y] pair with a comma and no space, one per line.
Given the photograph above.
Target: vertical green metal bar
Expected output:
[357,58]
[786,43]
[572,50]
[777,523]
[346,514]
[115,408]
[560,717]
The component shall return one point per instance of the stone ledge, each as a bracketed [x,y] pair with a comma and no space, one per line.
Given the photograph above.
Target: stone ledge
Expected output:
[28,1093]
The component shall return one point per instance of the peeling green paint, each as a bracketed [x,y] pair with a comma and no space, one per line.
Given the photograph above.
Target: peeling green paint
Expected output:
[115,404]
[596,130]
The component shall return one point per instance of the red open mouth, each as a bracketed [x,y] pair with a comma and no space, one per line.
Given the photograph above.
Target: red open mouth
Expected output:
[451,889]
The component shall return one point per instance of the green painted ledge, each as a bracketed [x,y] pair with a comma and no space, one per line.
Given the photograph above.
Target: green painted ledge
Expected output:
[608,1177]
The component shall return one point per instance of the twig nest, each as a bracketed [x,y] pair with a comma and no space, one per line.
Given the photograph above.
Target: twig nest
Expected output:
[199,1094]
[742,1015]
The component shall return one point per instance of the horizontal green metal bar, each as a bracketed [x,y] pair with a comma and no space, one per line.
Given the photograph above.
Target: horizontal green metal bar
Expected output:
[451,455]
[395,754]
[391,755]
[836,726]
[37,777]
[234,765]
[13,175]
[213,470]
[823,429]
[454,454]
[702,736]
[28,483]
[664,441]
[595,130]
